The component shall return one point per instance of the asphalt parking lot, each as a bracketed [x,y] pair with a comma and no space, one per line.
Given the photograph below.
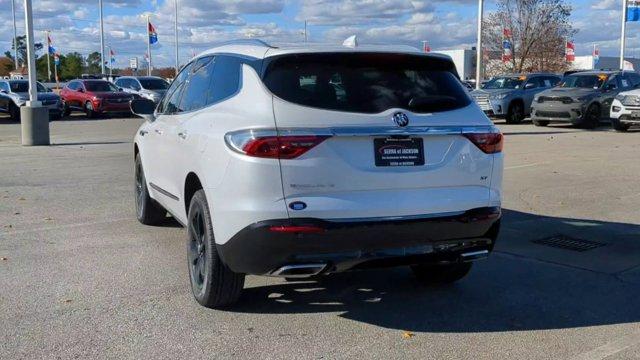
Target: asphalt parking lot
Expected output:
[81,278]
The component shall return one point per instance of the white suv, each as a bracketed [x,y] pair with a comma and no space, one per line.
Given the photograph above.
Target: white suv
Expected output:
[304,161]
[625,110]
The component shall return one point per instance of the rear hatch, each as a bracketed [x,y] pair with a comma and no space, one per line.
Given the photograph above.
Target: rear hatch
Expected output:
[384,135]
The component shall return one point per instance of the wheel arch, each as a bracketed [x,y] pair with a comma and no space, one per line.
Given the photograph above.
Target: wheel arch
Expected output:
[192,184]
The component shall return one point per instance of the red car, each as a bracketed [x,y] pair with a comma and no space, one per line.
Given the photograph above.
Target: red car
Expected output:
[94,97]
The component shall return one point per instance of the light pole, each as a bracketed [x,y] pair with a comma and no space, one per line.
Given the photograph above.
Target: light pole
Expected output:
[101,39]
[34,117]
[176,34]
[15,35]
[479,46]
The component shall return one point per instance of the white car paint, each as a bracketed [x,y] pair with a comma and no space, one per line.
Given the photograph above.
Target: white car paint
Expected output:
[336,179]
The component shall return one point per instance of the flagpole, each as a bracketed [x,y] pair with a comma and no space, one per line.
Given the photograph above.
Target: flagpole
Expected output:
[15,35]
[148,47]
[479,46]
[110,63]
[46,33]
[101,39]
[624,33]
[176,33]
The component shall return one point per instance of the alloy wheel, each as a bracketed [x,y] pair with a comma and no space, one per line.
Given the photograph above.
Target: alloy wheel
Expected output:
[197,249]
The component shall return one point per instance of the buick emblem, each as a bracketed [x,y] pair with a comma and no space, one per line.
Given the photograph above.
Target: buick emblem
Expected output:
[401,119]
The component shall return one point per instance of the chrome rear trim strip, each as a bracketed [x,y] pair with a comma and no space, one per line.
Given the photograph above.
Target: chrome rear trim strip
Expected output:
[388,131]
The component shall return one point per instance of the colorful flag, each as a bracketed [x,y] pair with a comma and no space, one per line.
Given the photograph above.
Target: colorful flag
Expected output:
[596,56]
[633,10]
[570,52]
[507,52]
[507,33]
[50,47]
[425,47]
[56,59]
[153,35]
[112,55]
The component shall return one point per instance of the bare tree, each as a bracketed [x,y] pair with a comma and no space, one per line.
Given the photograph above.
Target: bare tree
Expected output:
[538,30]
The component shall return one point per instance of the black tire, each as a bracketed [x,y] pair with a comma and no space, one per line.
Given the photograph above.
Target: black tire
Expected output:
[515,115]
[618,126]
[55,117]
[148,211]
[430,274]
[66,111]
[88,110]
[213,284]
[540,122]
[14,112]
[591,118]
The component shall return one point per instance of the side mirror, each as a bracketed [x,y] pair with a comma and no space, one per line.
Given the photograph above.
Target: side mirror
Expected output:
[143,108]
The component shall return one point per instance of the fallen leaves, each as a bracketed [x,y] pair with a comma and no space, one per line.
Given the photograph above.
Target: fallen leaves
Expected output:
[408,335]
[48,219]
[67,301]
[9,226]
[4,258]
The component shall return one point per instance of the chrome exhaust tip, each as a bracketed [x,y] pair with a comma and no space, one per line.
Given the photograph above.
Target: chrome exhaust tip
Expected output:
[299,270]
[475,255]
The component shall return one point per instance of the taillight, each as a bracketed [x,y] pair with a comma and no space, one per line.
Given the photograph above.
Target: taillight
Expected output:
[489,143]
[272,146]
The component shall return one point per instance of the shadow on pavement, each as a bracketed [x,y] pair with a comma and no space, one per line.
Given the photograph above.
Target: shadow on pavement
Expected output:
[504,293]
[92,143]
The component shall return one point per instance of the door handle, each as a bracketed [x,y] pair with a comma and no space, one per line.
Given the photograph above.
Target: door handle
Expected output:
[158,131]
[182,135]
[143,132]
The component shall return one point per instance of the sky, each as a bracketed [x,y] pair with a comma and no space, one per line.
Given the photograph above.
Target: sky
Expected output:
[446,24]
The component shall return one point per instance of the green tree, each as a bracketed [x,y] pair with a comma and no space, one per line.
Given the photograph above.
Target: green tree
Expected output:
[93,63]
[22,48]
[70,66]
[42,70]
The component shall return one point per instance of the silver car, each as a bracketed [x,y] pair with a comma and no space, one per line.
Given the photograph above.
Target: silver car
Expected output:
[148,87]
[510,96]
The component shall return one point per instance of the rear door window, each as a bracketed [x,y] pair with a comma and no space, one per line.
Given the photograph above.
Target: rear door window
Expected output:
[196,91]
[225,80]
[366,82]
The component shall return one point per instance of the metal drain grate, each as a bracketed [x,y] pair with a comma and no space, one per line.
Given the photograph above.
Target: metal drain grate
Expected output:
[569,243]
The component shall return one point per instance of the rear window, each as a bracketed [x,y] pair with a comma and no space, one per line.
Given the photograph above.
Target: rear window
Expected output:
[366,82]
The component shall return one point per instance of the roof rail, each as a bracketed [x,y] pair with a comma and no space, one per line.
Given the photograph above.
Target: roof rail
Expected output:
[255,42]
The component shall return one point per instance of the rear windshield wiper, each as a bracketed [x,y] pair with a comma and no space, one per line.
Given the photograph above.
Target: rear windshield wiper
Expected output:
[433,103]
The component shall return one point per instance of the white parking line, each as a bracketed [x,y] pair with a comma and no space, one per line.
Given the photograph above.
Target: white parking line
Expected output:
[610,348]
[524,165]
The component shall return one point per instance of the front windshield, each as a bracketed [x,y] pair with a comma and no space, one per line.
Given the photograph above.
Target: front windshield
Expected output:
[584,81]
[100,86]
[154,84]
[23,87]
[503,83]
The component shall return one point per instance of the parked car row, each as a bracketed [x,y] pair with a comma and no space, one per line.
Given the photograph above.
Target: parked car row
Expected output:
[94,97]
[581,98]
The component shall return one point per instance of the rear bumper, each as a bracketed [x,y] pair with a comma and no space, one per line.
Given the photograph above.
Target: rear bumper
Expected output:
[341,246]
